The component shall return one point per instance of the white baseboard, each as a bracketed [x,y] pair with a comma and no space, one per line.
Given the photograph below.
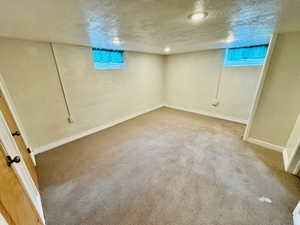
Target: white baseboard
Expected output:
[287,163]
[210,114]
[66,140]
[265,144]
[286,160]
[297,168]
[97,129]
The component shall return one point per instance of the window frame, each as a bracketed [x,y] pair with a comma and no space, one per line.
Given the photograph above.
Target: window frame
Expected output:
[108,65]
[244,62]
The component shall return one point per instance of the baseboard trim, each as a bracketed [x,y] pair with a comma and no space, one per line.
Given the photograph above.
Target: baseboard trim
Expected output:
[66,140]
[286,160]
[287,163]
[265,144]
[297,168]
[209,114]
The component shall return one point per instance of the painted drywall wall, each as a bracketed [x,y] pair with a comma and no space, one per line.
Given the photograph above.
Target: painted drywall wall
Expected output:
[192,83]
[96,97]
[29,72]
[279,103]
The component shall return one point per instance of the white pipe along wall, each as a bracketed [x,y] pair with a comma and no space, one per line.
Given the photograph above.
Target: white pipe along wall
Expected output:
[70,118]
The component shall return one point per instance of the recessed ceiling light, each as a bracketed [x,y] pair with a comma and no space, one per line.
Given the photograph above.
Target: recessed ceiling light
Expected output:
[167,49]
[116,41]
[197,16]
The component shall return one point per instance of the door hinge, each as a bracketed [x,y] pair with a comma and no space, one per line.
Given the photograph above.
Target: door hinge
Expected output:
[17,133]
[28,150]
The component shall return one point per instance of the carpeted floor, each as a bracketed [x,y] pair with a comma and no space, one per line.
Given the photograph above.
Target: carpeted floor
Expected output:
[166,167]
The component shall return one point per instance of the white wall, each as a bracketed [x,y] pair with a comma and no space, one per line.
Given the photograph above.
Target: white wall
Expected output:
[192,82]
[279,104]
[96,97]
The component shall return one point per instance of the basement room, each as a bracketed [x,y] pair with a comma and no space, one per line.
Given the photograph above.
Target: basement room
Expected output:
[150,112]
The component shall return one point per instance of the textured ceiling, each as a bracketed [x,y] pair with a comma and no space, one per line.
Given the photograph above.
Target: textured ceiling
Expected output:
[149,25]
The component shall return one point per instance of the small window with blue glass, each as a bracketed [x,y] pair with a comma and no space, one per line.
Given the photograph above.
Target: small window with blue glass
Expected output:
[108,59]
[246,56]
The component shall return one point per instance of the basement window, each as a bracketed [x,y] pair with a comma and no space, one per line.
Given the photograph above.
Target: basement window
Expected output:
[108,59]
[246,56]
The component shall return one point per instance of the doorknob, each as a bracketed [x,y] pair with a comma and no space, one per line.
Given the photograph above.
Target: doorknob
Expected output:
[9,160]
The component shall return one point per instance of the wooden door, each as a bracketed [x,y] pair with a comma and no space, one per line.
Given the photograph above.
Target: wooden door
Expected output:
[18,137]
[15,205]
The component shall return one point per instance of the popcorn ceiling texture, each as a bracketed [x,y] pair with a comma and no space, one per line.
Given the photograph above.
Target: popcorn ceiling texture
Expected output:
[149,25]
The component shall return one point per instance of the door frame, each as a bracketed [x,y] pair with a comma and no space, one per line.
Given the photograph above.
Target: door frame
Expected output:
[11,149]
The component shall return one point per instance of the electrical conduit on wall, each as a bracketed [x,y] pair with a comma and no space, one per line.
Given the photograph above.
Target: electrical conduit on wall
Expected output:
[70,117]
[216,100]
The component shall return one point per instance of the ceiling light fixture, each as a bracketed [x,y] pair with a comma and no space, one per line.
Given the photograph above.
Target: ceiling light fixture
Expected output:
[167,49]
[197,16]
[116,41]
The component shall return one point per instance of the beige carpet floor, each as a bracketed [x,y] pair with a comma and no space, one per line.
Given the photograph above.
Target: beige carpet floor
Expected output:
[166,167]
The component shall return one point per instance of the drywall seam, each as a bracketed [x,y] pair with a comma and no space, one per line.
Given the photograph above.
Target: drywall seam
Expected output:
[210,114]
[66,140]
[264,72]
[265,144]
